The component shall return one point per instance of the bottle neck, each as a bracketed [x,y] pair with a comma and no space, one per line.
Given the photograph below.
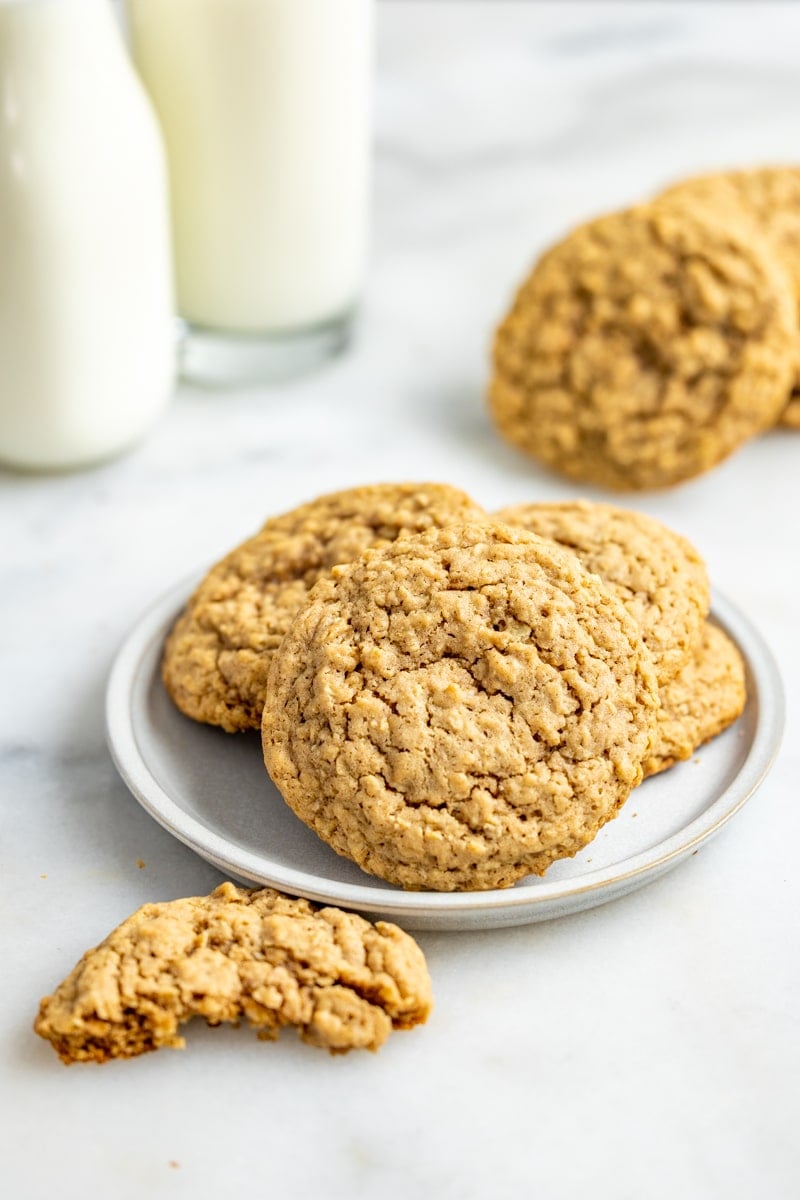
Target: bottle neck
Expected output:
[52,39]
[68,23]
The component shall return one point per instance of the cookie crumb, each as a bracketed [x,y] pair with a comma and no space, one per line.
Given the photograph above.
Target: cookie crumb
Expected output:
[141,864]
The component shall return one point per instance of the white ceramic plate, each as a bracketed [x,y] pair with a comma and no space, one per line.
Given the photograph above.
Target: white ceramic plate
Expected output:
[210,790]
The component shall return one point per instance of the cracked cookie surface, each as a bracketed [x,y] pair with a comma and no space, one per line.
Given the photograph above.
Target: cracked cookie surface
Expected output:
[238,954]
[701,701]
[646,347]
[216,658]
[459,709]
[768,195]
[771,197]
[657,574]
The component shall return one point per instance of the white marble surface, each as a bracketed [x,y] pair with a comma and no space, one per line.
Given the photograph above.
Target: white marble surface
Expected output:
[646,1049]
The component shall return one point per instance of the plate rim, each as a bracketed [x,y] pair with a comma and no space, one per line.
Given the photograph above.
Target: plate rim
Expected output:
[763,675]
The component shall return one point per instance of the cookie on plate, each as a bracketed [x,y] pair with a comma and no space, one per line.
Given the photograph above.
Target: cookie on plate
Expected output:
[701,701]
[657,574]
[459,709]
[217,656]
[256,955]
[646,347]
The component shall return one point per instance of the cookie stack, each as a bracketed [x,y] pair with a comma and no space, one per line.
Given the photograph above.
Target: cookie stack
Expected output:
[651,343]
[218,655]
[451,699]
[455,700]
[662,582]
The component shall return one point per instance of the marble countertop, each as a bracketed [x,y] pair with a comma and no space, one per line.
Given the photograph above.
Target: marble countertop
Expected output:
[649,1048]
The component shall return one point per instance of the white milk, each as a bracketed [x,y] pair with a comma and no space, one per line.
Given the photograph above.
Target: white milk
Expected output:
[265,108]
[86,309]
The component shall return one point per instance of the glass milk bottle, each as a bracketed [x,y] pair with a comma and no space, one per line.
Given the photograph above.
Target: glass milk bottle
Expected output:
[265,107]
[86,307]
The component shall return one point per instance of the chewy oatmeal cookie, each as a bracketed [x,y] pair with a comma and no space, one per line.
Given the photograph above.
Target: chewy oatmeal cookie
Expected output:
[459,709]
[646,347]
[258,955]
[790,417]
[217,656]
[658,575]
[771,197]
[701,701]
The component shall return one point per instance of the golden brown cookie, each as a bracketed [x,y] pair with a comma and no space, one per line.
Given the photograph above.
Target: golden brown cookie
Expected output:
[257,955]
[771,197]
[217,656]
[703,699]
[768,195]
[658,575]
[459,709]
[646,347]
[790,417]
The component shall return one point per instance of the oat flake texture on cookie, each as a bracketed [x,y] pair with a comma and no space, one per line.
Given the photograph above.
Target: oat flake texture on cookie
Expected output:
[770,196]
[217,656]
[647,346]
[657,574]
[238,954]
[703,699]
[459,709]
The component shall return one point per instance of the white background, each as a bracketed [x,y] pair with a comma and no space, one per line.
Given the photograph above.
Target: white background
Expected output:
[646,1049]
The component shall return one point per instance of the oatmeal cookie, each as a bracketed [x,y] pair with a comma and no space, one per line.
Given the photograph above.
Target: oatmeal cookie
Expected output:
[790,417]
[771,197]
[658,575]
[646,347]
[217,656]
[459,709]
[258,955]
[703,699]
[768,195]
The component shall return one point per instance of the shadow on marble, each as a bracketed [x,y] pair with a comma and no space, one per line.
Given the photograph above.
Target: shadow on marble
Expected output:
[461,413]
[26,1049]
[559,934]
[92,810]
